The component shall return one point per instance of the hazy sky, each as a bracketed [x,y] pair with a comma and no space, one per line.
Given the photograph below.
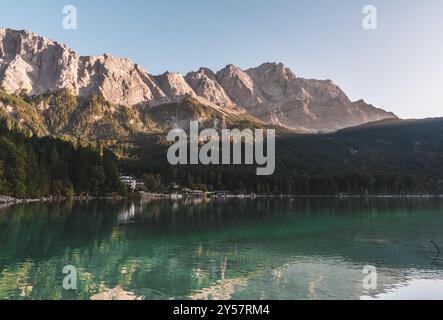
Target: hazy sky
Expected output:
[398,67]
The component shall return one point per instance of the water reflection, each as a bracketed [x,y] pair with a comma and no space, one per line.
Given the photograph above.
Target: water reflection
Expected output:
[236,249]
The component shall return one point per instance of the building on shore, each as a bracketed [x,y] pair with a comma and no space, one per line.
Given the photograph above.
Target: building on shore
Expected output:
[220,194]
[158,195]
[193,193]
[130,182]
[139,185]
[174,187]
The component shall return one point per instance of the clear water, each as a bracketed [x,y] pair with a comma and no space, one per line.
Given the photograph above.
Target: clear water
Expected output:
[235,249]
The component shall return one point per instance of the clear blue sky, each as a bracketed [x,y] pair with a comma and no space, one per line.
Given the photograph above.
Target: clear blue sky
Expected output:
[398,67]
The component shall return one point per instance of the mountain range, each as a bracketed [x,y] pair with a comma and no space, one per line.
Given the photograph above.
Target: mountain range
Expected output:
[50,89]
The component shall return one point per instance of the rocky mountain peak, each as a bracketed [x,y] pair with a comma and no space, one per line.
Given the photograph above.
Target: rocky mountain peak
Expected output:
[270,92]
[239,86]
[174,85]
[208,73]
[272,69]
[204,84]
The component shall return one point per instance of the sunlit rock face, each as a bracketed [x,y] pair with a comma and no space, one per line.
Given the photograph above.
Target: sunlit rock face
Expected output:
[274,94]
[270,92]
[205,85]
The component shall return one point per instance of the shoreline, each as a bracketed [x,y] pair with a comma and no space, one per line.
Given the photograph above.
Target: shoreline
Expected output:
[7,200]
[11,200]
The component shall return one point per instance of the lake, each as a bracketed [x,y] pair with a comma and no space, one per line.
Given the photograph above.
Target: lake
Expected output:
[311,248]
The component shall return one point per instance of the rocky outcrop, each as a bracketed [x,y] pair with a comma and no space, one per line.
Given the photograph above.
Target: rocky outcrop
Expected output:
[274,94]
[205,85]
[271,92]
[38,65]
[239,86]
[174,86]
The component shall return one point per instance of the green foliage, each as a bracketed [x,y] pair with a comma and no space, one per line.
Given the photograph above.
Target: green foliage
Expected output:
[152,182]
[60,106]
[24,114]
[398,158]
[36,167]
[403,157]
[62,114]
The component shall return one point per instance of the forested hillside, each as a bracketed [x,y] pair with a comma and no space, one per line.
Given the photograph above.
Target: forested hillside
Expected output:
[34,167]
[387,157]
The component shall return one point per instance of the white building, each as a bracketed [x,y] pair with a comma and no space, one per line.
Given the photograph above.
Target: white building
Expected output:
[129,181]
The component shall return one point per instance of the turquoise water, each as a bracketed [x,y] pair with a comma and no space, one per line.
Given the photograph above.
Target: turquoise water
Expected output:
[234,249]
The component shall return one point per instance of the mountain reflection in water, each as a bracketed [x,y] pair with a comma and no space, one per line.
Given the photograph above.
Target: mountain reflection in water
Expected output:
[234,249]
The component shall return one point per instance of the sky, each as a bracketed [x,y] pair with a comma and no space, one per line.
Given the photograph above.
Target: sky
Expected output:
[398,66]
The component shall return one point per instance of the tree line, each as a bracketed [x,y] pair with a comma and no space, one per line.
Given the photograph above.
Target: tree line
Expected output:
[402,158]
[35,167]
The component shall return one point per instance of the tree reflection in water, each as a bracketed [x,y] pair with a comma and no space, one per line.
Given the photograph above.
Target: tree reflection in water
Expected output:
[199,249]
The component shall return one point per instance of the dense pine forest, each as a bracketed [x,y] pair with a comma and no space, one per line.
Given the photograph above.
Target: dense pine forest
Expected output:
[35,167]
[393,157]
[388,157]
[397,157]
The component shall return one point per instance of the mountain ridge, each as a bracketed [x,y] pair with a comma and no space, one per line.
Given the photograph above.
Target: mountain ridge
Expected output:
[270,92]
